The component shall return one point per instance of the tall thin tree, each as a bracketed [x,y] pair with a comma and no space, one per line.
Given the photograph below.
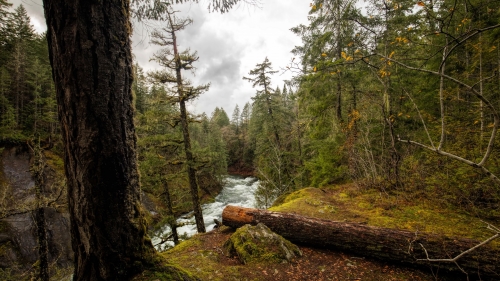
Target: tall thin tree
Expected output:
[175,62]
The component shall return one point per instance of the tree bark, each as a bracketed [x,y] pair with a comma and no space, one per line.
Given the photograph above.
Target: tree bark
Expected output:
[89,50]
[393,245]
[173,223]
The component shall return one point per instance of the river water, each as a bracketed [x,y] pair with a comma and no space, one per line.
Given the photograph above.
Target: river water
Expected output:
[237,191]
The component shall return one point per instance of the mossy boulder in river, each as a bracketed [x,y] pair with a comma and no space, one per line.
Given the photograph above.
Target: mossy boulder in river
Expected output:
[254,244]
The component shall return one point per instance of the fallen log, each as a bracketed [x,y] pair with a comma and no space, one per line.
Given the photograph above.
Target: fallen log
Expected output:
[400,246]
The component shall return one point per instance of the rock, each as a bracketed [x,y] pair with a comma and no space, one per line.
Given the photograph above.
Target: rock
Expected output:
[253,244]
[18,242]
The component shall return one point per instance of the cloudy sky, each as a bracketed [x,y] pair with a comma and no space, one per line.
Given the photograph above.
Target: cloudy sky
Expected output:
[229,45]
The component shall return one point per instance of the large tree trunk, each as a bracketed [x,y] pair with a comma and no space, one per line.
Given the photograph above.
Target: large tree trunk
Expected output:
[394,245]
[90,55]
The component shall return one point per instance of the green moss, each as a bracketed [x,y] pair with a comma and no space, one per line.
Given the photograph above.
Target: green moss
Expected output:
[54,161]
[258,244]
[165,272]
[343,195]
[290,197]
[202,263]
[184,246]
[347,203]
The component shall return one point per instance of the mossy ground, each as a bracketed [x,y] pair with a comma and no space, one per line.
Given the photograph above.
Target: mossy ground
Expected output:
[204,257]
[372,207]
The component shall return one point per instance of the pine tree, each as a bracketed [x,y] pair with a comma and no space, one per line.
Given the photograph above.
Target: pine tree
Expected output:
[262,79]
[247,147]
[175,62]
[7,112]
[219,117]
[235,119]
[5,18]
[139,89]
[21,37]
[270,134]
[160,139]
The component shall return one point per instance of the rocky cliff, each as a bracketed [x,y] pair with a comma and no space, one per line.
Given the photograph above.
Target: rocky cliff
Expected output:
[18,243]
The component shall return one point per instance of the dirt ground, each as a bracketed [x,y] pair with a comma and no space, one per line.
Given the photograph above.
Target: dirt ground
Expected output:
[205,258]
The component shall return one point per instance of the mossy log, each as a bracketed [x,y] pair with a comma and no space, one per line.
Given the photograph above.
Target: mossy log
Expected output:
[392,245]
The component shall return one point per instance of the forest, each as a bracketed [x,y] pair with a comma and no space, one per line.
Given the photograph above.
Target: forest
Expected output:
[398,98]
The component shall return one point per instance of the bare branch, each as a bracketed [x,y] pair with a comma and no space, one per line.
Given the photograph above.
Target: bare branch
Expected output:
[462,253]
[496,116]
[453,156]
[421,119]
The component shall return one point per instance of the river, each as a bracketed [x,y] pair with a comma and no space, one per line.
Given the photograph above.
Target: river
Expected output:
[237,191]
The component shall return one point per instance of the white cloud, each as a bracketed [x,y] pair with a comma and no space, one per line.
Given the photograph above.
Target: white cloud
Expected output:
[229,45]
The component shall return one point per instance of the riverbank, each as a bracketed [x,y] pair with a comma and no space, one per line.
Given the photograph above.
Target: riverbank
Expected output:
[203,254]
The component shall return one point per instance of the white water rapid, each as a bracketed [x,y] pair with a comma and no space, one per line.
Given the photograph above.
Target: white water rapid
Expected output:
[237,191]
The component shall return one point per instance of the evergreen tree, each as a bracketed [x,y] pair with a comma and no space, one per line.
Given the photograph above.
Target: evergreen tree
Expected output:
[219,117]
[160,139]
[139,89]
[235,119]
[107,225]
[212,153]
[247,147]
[262,79]
[175,62]
[21,37]
[7,111]
[5,18]
[269,131]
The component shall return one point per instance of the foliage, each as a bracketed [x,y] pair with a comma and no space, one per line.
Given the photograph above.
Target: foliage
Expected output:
[383,88]
[27,95]
[272,135]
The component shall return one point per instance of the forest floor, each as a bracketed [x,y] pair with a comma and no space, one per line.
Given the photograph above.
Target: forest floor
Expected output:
[204,257]
[203,254]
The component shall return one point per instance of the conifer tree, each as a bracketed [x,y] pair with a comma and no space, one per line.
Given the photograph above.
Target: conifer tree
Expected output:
[270,131]
[100,144]
[174,62]
[5,18]
[247,148]
[20,36]
[139,89]
[219,117]
[261,77]
[235,119]
[160,152]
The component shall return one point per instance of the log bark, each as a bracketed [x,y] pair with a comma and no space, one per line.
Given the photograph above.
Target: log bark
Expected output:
[392,245]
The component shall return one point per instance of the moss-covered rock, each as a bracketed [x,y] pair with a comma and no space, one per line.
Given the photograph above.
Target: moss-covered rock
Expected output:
[254,244]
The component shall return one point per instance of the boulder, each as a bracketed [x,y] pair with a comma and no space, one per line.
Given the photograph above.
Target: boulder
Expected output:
[254,244]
